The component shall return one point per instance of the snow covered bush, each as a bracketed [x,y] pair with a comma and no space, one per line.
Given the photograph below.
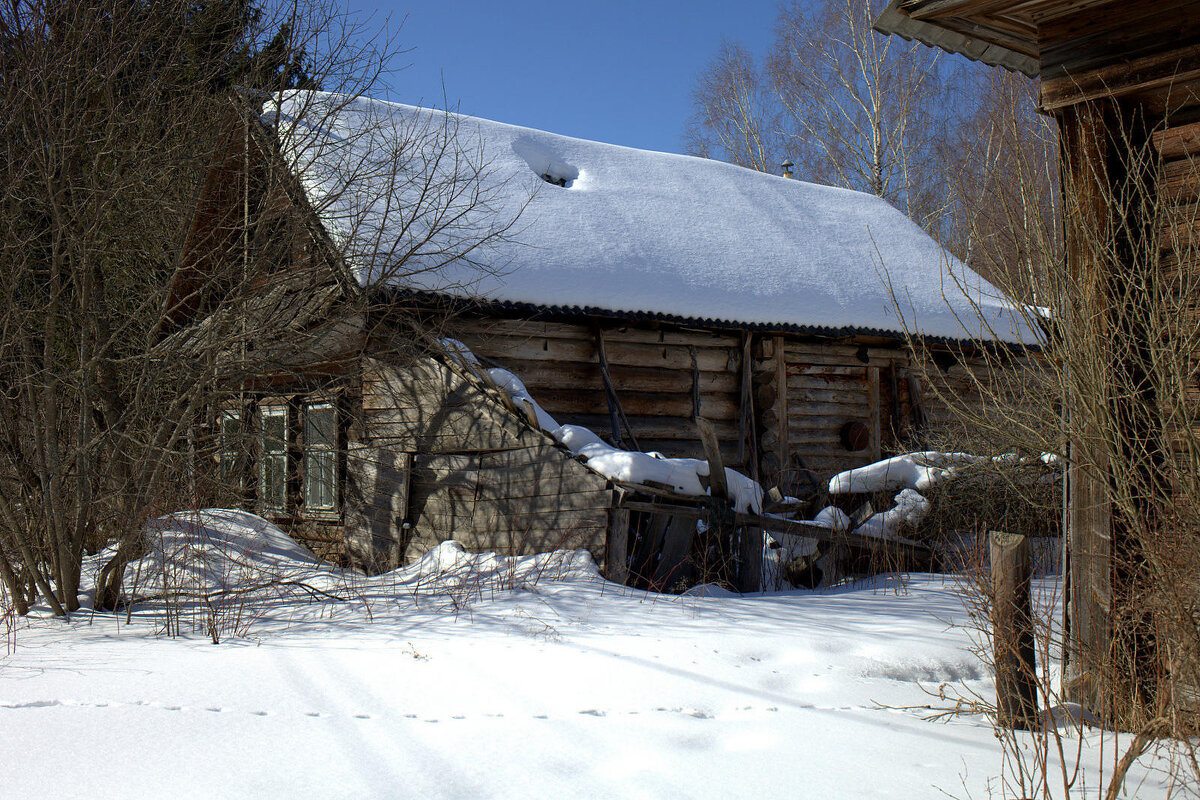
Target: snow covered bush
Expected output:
[221,572]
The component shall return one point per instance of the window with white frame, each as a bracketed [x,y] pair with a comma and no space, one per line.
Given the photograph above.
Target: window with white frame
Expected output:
[273,459]
[320,457]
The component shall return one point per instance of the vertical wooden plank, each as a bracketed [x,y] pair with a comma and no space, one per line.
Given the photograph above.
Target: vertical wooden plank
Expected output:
[896,425]
[747,434]
[781,405]
[614,423]
[1085,178]
[876,442]
[750,577]
[1089,525]
[677,546]
[916,403]
[1012,632]
[651,528]
[616,551]
[403,486]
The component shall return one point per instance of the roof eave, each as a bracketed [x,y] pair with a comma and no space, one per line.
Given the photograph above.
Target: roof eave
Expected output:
[894,21]
[576,312]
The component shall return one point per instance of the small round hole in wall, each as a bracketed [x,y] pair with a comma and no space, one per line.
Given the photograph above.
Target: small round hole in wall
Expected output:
[855,436]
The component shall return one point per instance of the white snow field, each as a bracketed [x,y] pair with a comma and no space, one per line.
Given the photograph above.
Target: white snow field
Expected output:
[468,676]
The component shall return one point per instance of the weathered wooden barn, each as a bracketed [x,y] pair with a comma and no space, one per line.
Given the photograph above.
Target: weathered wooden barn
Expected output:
[634,293]
[1122,80]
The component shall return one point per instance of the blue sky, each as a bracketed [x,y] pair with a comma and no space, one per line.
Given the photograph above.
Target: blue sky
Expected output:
[619,72]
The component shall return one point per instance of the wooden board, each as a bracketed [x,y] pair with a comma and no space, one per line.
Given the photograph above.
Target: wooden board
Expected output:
[376,499]
[616,553]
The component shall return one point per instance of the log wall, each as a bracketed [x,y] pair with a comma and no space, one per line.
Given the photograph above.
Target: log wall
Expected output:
[439,457]
[827,386]
[829,383]
[651,371]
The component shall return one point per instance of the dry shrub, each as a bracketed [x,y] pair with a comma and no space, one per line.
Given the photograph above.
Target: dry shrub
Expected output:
[1023,498]
[1113,393]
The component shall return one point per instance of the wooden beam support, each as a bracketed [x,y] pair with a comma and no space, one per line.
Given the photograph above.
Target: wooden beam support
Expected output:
[616,555]
[1012,632]
[615,413]
[785,527]
[747,428]
[781,405]
[876,436]
[717,486]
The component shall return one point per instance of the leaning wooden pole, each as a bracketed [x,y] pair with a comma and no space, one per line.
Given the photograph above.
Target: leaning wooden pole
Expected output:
[722,519]
[1012,632]
[616,415]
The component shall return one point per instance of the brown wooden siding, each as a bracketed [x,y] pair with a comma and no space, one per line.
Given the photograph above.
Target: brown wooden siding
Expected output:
[829,383]
[651,371]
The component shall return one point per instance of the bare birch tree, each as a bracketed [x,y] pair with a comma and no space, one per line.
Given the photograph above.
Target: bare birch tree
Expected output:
[1002,172]
[848,106]
[735,118]
[861,109]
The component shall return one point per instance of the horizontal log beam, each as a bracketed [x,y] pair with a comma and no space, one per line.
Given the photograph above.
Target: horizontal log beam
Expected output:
[785,527]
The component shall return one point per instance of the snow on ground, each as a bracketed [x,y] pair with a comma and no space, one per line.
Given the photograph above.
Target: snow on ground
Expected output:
[476,676]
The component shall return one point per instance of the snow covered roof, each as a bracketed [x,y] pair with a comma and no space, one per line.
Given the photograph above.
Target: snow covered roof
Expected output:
[629,231]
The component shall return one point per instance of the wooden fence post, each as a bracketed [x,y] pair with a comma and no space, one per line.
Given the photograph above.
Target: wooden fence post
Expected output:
[616,555]
[1012,632]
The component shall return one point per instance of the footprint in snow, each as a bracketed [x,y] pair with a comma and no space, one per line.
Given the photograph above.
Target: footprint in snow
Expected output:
[35,704]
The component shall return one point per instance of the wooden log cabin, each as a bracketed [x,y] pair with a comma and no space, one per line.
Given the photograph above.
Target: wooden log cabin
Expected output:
[1122,80]
[631,292]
